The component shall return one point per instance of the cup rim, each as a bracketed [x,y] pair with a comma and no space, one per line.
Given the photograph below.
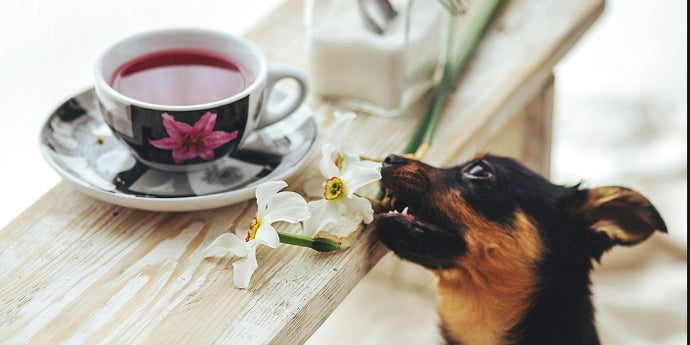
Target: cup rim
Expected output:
[105,86]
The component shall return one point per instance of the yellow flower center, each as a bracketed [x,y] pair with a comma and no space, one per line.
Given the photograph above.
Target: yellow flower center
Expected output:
[194,142]
[335,187]
[253,227]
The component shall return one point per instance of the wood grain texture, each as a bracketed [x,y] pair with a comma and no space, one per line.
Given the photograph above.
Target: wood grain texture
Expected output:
[77,270]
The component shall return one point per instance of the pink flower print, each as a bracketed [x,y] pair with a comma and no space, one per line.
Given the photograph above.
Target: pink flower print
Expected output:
[187,142]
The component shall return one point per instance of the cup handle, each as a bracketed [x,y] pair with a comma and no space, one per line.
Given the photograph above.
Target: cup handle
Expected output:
[276,112]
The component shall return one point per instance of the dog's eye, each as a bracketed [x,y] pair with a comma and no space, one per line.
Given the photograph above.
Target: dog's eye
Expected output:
[479,170]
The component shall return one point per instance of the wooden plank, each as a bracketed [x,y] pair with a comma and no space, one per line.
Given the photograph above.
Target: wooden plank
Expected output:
[539,122]
[76,270]
[84,270]
[521,69]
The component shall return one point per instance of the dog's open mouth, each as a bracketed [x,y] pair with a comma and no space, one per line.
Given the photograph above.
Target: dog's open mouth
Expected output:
[413,229]
[408,212]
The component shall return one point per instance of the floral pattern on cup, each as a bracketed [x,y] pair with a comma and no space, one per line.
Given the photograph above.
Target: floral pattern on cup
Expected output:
[168,147]
[187,142]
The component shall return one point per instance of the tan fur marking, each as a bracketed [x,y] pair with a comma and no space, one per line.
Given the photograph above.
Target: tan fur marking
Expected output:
[478,156]
[631,207]
[491,289]
[613,230]
[600,196]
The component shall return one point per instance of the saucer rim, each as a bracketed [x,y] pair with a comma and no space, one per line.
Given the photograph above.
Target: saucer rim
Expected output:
[168,203]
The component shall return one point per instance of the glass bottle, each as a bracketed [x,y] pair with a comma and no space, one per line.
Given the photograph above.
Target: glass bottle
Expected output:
[374,56]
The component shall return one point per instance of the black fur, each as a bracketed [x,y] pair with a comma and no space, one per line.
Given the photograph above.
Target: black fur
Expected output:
[561,312]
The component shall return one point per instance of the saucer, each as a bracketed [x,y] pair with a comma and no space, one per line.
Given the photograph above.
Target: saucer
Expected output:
[79,146]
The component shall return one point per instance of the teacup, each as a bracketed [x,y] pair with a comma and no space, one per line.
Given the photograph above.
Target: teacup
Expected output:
[180,99]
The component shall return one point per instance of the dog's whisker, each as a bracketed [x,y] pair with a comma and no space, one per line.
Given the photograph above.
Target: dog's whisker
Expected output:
[373,159]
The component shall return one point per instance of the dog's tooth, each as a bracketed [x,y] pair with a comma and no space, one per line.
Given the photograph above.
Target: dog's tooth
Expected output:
[405,210]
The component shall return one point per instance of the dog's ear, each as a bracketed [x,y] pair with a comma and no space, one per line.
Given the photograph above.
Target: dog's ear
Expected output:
[616,215]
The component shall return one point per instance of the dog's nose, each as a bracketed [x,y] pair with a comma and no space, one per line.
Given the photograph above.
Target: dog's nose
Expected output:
[394,160]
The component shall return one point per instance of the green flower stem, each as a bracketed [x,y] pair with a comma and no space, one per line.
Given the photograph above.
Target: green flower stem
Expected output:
[426,128]
[424,133]
[316,243]
[419,135]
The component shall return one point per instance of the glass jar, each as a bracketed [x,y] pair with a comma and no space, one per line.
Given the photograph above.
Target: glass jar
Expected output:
[366,57]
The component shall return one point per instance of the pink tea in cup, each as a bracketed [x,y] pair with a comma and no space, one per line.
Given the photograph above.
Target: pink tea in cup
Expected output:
[181,77]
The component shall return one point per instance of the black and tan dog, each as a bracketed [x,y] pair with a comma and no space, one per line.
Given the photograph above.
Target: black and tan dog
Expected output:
[511,252]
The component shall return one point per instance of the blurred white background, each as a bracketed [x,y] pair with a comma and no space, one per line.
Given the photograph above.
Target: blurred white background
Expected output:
[621,118]
[47,54]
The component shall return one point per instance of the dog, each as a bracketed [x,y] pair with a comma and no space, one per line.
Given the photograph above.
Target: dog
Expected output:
[510,252]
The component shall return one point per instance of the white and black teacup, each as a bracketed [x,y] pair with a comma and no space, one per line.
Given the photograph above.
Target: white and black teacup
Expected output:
[182,98]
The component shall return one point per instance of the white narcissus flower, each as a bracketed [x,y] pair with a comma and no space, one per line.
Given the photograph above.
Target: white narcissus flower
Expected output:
[336,153]
[273,206]
[339,193]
